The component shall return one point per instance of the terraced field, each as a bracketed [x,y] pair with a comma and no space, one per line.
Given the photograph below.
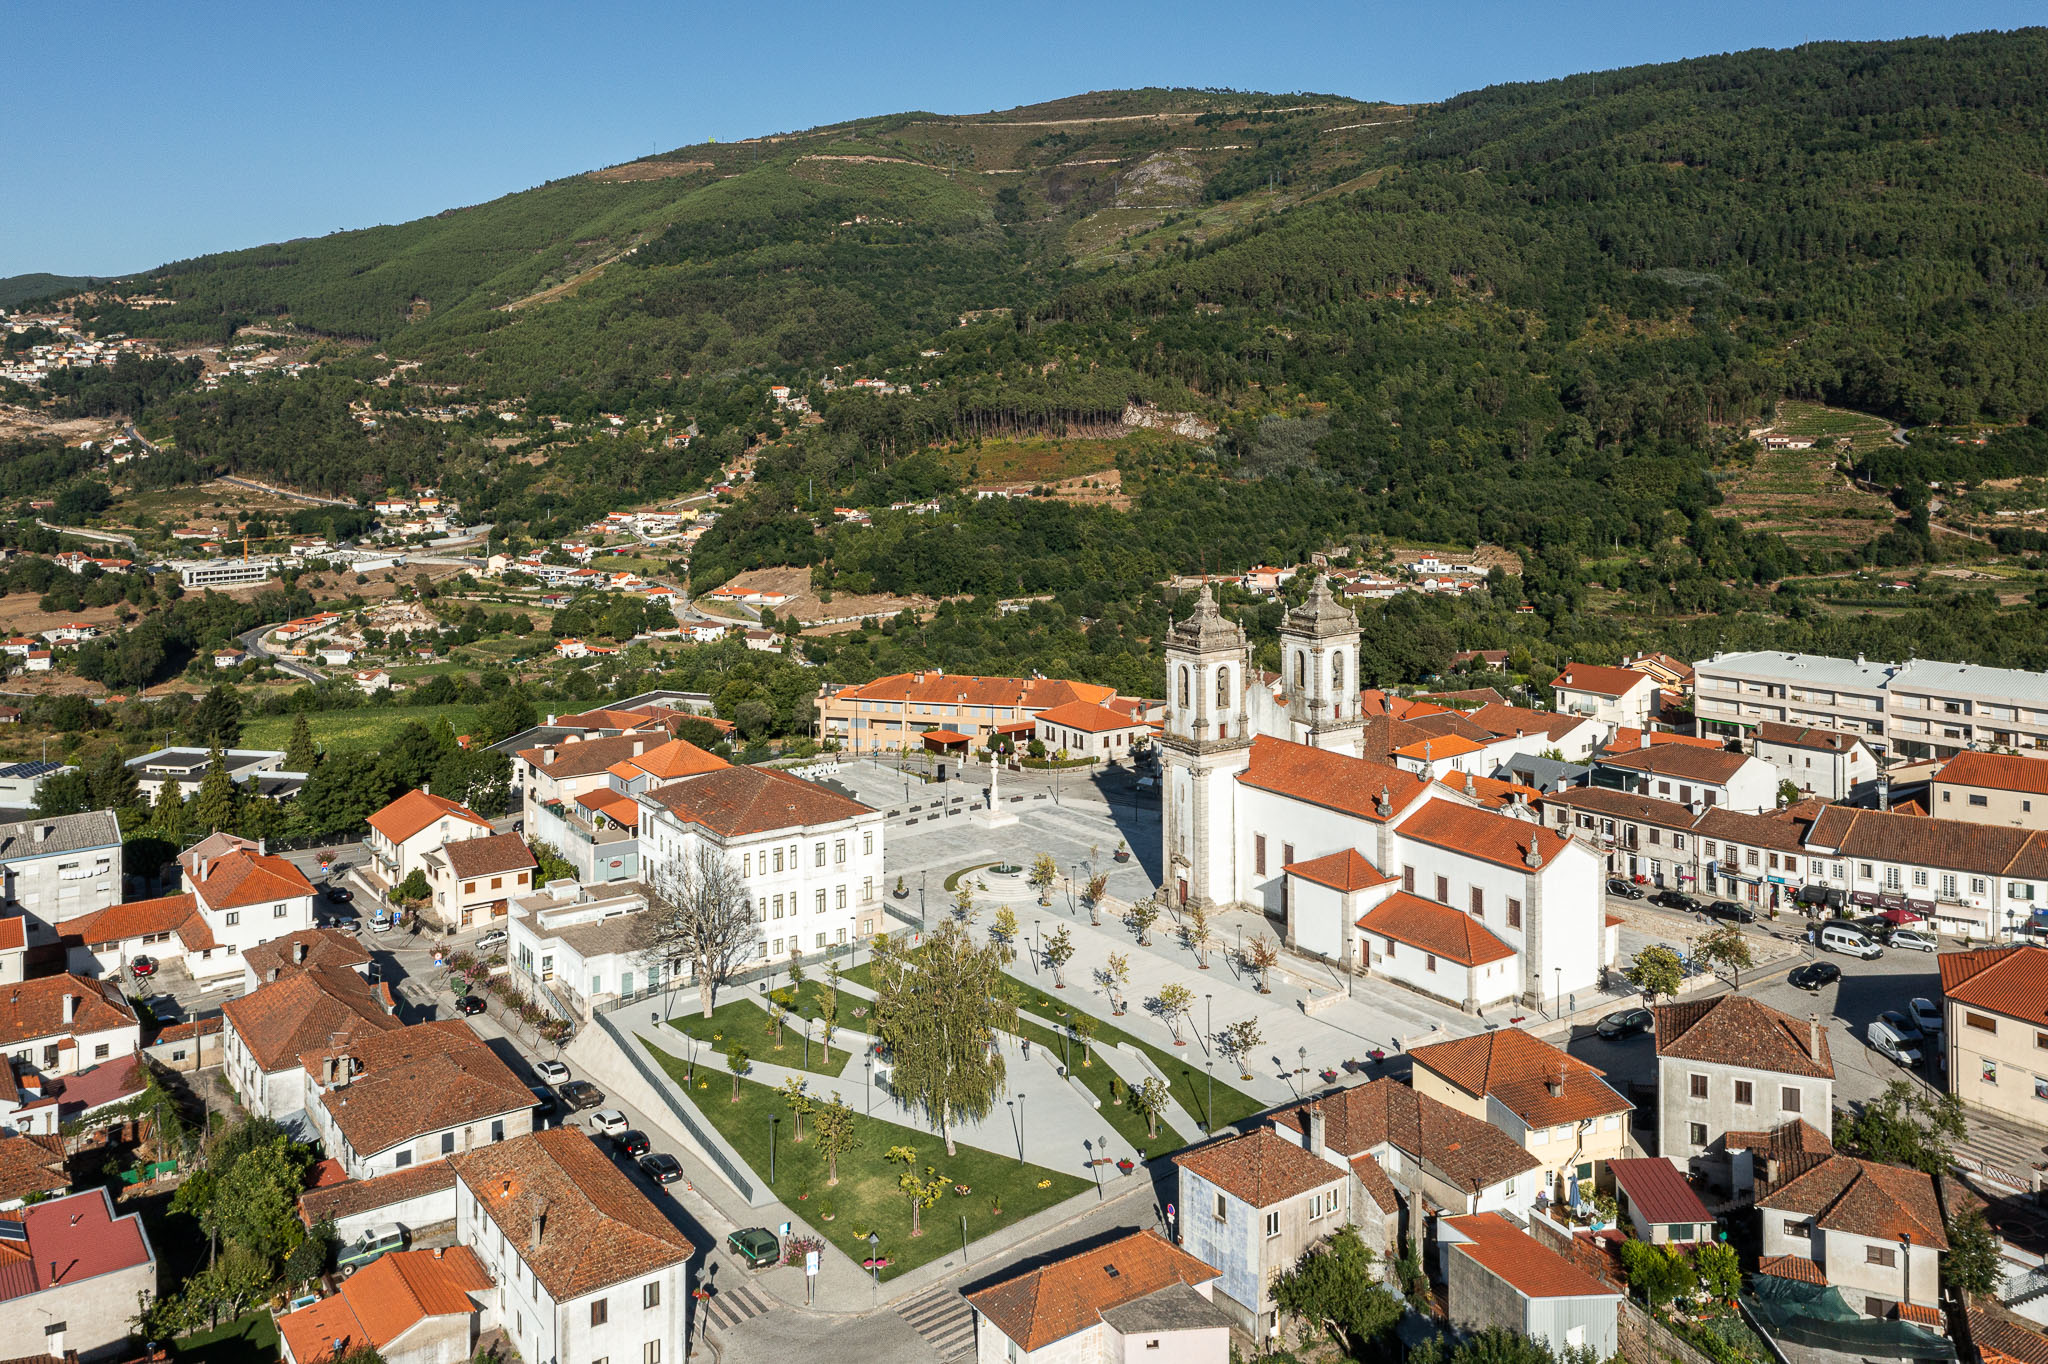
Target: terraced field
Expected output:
[1798,493]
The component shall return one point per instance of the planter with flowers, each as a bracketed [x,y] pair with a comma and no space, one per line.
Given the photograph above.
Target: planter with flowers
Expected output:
[1125,1165]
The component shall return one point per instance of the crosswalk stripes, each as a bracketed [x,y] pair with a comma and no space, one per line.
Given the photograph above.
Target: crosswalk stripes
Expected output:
[731,1306]
[945,1321]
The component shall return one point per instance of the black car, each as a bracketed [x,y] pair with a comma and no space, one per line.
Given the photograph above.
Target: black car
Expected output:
[1730,911]
[631,1142]
[581,1094]
[1676,899]
[340,895]
[1623,1023]
[468,1005]
[544,1105]
[1814,975]
[1627,890]
[661,1167]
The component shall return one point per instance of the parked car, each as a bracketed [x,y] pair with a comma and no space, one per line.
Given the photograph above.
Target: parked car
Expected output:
[1926,1013]
[1892,1045]
[383,923]
[1847,940]
[631,1142]
[580,1094]
[544,1104]
[661,1167]
[1903,1024]
[340,895]
[1730,912]
[609,1121]
[142,968]
[1814,975]
[1676,899]
[1623,1023]
[377,1242]
[495,938]
[554,1072]
[1627,890]
[469,1005]
[1912,940]
[756,1245]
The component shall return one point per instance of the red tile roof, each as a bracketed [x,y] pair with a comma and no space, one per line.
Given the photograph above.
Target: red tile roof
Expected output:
[1598,680]
[2002,1338]
[1996,771]
[1343,871]
[1735,1030]
[1492,794]
[1795,1267]
[385,1300]
[1505,721]
[1335,781]
[1473,1154]
[752,800]
[1520,1261]
[1679,762]
[673,760]
[1657,1192]
[1494,838]
[937,688]
[306,1011]
[351,1197]
[1520,1070]
[416,1081]
[1050,1303]
[177,914]
[1259,1168]
[241,879]
[1434,928]
[31,1009]
[1823,740]
[1863,1198]
[2006,980]
[1629,737]
[415,810]
[1088,717]
[13,933]
[328,947]
[32,1165]
[1951,844]
[70,1240]
[490,856]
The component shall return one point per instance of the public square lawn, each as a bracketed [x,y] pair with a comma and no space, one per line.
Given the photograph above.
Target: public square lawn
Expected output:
[866,1197]
[747,1023]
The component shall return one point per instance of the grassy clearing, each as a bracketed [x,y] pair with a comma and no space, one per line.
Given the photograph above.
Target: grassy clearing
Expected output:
[339,730]
[1860,429]
[1052,460]
[748,1024]
[249,1339]
[867,1197]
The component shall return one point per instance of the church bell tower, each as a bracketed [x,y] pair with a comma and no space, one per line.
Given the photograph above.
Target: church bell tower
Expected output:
[1319,666]
[1206,742]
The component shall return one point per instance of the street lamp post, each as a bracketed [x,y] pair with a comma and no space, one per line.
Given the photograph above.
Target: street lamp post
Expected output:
[773,1122]
[1557,1000]
[875,1259]
[1037,945]
[870,1060]
[1020,1128]
[921,925]
[1208,1022]
[1209,1115]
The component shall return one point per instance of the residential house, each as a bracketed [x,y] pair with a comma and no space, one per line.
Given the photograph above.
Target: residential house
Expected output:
[1733,1063]
[417,823]
[234,896]
[21,784]
[583,800]
[810,858]
[1658,1203]
[475,879]
[58,868]
[1663,669]
[416,1196]
[1981,880]
[1498,1276]
[1110,1304]
[1992,788]
[31,1168]
[555,774]
[228,658]
[1085,729]
[303,1011]
[64,1024]
[1251,1205]
[581,945]
[890,713]
[371,681]
[72,1275]
[1613,696]
[1637,835]
[186,768]
[1822,762]
[1995,1017]
[1875,1232]
[1560,1109]
[410,1306]
[587,1267]
[1690,775]
[307,949]
[383,1101]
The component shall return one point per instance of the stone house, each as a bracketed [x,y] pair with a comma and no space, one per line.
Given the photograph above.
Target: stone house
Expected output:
[1875,1232]
[1732,1064]
[1251,1205]
[1497,1275]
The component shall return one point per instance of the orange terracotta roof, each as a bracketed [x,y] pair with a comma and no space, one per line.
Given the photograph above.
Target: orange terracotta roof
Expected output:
[1795,1267]
[1482,834]
[350,1197]
[613,805]
[946,736]
[1032,693]
[1491,793]
[1628,737]
[1522,1262]
[1996,771]
[1506,721]
[750,800]
[1598,680]
[1341,871]
[1472,1154]
[1921,1316]
[1260,1167]
[140,918]
[386,1299]
[1521,1071]
[675,759]
[468,857]
[414,1081]
[243,878]
[2002,1338]
[1863,1198]
[328,947]
[1679,761]
[1438,746]
[34,1008]
[1335,781]
[2006,980]
[13,933]
[415,810]
[1050,1303]
[1436,929]
[305,1011]
[1088,717]
[1735,1030]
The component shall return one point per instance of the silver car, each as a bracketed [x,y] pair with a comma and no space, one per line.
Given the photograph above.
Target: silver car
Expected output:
[1912,940]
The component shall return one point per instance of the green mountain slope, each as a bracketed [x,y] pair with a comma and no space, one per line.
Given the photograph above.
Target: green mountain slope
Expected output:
[18,289]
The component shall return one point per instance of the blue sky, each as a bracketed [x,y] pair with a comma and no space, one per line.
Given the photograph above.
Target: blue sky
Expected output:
[148,132]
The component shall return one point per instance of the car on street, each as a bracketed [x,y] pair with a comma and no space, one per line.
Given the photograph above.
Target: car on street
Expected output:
[1625,889]
[1623,1023]
[631,1142]
[469,1006]
[163,1008]
[756,1245]
[494,938]
[544,1105]
[609,1121]
[554,1072]
[1814,975]
[340,895]
[383,924]
[1730,912]
[661,1167]
[1926,1013]
[142,968]
[580,1094]
[1912,940]
[1888,1042]
[1903,1024]
[1676,899]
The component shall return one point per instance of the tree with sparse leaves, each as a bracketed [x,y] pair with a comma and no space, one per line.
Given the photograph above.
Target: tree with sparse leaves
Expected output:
[1149,1099]
[1059,950]
[800,1103]
[1725,947]
[1657,972]
[1262,954]
[922,1190]
[700,915]
[1172,1004]
[736,1062]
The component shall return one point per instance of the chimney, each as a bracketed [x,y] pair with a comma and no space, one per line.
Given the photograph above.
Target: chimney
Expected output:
[1315,1129]
[263,847]
[1644,741]
[42,832]
[272,975]
[547,757]
[537,1227]
[299,953]
[1555,1083]
[70,1006]
[1813,1036]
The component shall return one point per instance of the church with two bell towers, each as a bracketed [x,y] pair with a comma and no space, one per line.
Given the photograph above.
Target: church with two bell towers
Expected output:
[1269,804]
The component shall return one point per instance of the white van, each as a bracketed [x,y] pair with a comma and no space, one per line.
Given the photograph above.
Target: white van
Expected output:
[1848,941]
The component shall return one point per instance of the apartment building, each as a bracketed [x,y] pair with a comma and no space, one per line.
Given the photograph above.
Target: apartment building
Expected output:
[58,869]
[890,713]
[1991,788]
[1995,1011]
[1613,696]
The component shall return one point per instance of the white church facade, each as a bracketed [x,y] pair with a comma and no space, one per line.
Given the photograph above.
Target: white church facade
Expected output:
[1267,805]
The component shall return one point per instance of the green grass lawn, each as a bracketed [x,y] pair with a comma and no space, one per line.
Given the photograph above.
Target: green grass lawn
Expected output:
[1184,1072]
[747,1023]
[337,730]
[867,1197]
[249,1339]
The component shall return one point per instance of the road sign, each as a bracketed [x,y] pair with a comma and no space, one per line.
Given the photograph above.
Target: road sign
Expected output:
[811,1263]
[785,1229]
